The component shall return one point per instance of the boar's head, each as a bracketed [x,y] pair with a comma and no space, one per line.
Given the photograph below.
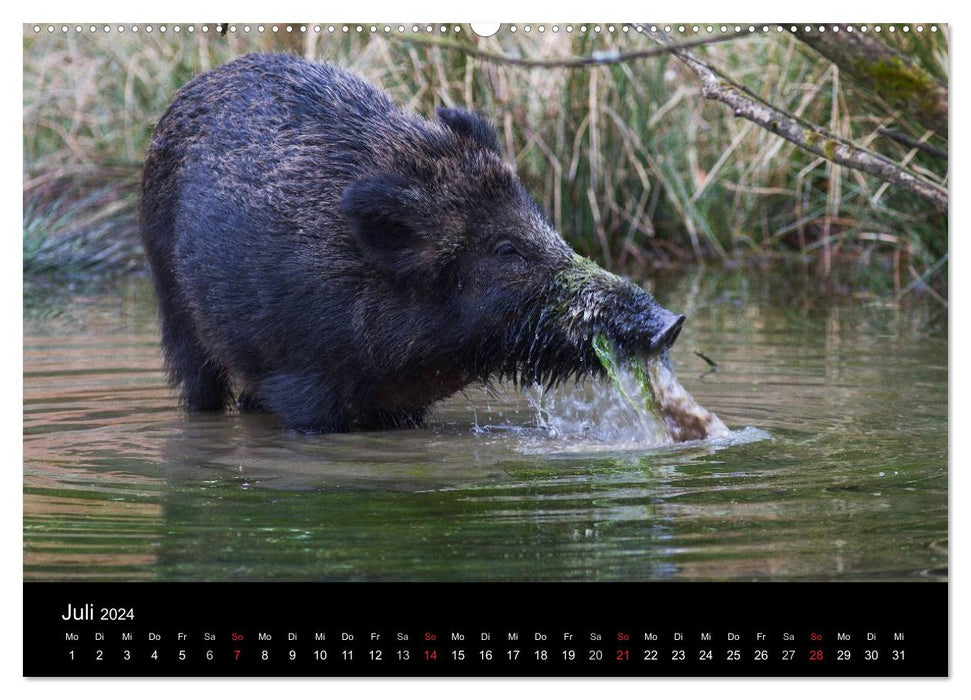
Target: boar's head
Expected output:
[483,286]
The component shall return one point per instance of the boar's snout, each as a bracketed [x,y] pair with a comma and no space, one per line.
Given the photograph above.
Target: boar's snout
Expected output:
[600,303]
[652,331]
[670,327]
[649,330]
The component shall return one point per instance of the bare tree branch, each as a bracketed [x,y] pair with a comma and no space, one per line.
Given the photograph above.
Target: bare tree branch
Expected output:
[809,137]
[599,58]
[884,70]
[905,140]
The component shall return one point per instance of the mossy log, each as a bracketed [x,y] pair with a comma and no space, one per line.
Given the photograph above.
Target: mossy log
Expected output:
[885,71]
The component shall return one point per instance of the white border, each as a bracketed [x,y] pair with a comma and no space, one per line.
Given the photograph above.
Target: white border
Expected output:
[441,11]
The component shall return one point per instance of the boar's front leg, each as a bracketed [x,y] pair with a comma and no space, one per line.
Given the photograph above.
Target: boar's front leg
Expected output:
[304,402]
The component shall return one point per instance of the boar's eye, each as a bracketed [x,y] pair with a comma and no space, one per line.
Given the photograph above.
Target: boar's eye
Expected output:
[506,250]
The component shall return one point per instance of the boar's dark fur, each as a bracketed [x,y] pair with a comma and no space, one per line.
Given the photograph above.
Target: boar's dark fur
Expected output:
[344,264]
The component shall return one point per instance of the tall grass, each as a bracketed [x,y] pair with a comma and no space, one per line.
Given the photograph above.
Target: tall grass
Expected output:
[634,166]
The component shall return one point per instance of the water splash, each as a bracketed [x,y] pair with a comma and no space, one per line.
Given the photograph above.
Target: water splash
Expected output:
[642,405]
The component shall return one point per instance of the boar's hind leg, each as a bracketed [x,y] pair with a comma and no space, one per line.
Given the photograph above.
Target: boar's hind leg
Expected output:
[302,402]
[205,386]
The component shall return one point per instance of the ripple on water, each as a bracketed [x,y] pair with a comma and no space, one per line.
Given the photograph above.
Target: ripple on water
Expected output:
[844,477]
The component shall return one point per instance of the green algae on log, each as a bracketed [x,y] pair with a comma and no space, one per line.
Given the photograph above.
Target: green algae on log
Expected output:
[673,409]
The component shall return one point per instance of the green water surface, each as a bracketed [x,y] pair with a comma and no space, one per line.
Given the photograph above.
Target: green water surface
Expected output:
[839,471]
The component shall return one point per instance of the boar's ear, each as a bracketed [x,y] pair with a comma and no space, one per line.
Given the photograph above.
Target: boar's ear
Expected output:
[385,212]
[471,126]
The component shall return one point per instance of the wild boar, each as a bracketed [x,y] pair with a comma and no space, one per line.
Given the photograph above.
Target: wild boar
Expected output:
[322,254]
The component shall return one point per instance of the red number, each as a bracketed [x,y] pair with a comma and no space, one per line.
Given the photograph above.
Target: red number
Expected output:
[237,654]
[815,654]
[623,655]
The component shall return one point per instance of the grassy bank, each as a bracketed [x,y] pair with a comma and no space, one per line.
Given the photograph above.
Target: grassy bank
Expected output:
[634,166]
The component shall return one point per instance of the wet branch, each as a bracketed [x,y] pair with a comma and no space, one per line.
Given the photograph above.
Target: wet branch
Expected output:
[807,136]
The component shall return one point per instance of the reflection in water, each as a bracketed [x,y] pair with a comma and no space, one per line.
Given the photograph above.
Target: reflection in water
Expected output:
[835,470]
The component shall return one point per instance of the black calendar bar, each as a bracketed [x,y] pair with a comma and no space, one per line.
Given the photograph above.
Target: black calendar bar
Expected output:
[465,629]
